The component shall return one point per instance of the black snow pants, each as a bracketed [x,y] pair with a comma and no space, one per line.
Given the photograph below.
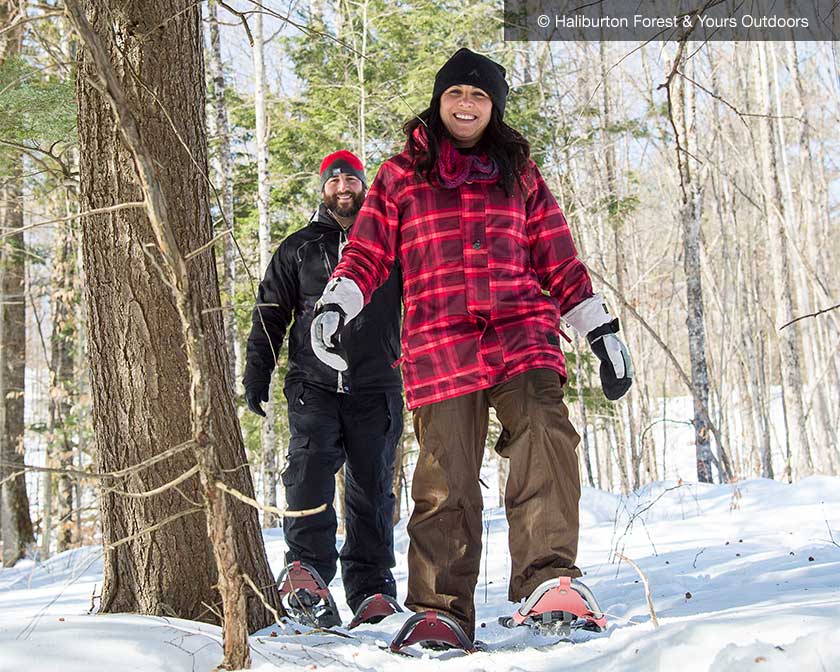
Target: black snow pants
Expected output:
[329,429]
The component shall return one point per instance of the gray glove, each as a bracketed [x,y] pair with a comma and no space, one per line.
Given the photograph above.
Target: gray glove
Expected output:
[341,301]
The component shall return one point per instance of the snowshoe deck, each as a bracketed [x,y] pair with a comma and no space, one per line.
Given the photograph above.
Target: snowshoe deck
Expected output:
[559,606]
[374,609]
[305,596]
[435,630]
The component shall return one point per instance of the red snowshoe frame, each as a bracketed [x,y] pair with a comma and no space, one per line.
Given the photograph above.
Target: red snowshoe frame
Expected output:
[435,628]
[300,576]
[374,607]
[564,603]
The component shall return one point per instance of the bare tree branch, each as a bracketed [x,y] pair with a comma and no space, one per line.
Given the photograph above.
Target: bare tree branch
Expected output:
[70,218]
[271,509]
[803,317]
[152,528]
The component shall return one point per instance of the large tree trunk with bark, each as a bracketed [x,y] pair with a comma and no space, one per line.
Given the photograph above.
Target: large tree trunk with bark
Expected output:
[15,523]
[145,392]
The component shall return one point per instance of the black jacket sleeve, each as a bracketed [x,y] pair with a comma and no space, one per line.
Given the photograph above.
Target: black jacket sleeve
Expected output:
[276,301]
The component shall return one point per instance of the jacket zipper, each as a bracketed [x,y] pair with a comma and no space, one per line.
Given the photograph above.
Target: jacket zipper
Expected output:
[339,383]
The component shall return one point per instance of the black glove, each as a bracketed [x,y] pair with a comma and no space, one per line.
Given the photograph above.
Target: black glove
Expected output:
[616,368]
[256,392]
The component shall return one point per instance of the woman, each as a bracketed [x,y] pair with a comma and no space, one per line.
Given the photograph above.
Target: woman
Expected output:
[489,268]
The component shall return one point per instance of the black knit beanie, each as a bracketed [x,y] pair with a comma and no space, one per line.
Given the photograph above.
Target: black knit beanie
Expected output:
[467,67]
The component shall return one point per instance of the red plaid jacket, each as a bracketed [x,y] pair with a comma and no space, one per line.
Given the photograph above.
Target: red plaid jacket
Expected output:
[475,263]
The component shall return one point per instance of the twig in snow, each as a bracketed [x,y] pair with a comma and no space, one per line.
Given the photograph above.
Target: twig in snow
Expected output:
[653,618]
[831,536]
[694,564]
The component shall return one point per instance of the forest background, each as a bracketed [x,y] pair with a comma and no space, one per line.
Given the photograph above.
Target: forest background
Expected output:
[700,181]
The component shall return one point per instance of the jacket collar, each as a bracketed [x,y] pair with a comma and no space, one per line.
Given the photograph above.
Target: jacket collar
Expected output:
[322,217]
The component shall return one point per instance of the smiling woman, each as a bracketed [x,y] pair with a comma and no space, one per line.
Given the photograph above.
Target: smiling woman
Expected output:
[488,269]
[465,112]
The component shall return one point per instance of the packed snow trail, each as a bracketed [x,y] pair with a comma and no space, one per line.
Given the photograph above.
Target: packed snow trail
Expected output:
[741,575]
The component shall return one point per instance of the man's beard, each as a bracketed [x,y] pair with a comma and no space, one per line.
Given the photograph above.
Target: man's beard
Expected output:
[350,210]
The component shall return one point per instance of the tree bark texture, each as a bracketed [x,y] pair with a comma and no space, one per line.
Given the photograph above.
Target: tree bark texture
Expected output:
[141,381]
[15,523]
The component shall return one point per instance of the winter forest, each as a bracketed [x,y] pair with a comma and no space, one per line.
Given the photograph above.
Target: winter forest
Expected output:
[153,155]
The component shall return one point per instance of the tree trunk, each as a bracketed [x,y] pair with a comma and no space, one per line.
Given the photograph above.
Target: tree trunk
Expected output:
[777,211]
[615,218]
[61,368]
[15,524]
[682,100]
[217,75]
[268,436]
[146,397]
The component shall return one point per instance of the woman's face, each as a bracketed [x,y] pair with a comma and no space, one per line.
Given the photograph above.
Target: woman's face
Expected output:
[465,111]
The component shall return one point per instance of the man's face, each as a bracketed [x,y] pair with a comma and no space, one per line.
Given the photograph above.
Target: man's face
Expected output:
[344,195]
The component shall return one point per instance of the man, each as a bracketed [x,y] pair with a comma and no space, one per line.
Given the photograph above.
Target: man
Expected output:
[352,416]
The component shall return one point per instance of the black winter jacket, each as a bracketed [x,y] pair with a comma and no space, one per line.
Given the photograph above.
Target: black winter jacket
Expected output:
[293,283]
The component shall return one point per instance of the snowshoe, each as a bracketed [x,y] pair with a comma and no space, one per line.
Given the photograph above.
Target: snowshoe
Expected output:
[433,631]
[305,596]
[374,609]
[558,606]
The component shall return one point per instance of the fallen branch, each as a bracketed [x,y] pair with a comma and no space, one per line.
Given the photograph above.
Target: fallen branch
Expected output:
[653,618]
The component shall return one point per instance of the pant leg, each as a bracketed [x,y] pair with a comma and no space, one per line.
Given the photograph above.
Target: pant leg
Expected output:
[315,455]
[444,554]
[372,426]
[543,489]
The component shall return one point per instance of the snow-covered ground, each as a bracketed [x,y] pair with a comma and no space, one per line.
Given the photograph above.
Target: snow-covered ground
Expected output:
[742,576]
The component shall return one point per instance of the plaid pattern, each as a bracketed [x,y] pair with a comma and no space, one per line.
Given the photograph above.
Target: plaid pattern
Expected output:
[475,263]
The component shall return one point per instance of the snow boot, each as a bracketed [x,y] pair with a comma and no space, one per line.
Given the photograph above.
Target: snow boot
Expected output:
[433,631]
[373,609]
[558,606]
[306,598]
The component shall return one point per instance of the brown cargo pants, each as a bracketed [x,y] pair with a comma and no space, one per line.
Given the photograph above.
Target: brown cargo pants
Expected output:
[541,497]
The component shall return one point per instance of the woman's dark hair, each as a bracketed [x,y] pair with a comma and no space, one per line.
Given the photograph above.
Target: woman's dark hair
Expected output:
[500,142]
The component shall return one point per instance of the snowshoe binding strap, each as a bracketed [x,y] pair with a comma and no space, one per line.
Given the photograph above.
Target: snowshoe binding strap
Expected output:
[374,609]
[305,596]
[432,627]
[564,601]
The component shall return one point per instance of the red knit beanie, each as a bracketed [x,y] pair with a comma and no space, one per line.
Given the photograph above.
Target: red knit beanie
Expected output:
[342,161]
